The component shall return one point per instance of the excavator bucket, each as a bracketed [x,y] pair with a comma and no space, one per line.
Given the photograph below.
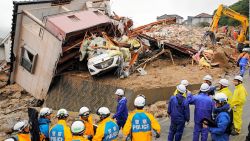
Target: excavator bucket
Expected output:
[211,36]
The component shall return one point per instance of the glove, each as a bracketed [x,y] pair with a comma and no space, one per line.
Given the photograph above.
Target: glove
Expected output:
[90,137]
[157,135]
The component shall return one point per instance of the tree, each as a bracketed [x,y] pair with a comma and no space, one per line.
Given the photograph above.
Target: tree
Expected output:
[242,7]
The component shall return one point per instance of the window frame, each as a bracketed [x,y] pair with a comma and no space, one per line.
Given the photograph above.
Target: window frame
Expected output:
[22,58]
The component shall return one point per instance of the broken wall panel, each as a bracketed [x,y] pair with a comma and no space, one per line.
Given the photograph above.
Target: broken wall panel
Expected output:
[48,50]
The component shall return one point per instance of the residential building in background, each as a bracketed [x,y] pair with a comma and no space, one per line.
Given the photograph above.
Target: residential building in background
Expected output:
[179,19]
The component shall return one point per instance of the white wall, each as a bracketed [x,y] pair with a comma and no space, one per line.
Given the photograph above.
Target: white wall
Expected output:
[196,21]
[48,50]
[2,53]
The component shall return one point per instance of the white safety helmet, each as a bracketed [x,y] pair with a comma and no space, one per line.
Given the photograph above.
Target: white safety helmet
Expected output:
[208,78]
[246,49]
[119,92]
[45,111]
[19,126]
[140,101]
[204,87]
[10,139]
[220,97]
[181,88]
[184,82]
[77,127]
[224,82]
[103,112]
[62,113]
[238,77]
[84,112]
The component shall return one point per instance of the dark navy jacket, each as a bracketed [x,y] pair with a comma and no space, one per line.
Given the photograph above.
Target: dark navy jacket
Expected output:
[178,108]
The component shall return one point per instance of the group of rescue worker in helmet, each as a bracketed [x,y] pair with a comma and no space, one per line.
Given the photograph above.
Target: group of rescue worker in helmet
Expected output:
[212,105]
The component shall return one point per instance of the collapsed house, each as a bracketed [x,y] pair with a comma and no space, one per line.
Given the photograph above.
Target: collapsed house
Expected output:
[53,37]
[45,35]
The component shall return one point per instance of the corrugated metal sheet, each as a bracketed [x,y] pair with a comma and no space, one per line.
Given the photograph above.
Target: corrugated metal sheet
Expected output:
[62,24]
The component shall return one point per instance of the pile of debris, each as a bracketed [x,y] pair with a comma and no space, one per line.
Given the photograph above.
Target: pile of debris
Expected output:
[179,35]
[129,52]
[14,103]
[159,109]
[135,48]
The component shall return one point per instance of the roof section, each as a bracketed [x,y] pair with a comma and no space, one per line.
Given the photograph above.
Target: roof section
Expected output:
[203,15]
[170,16]
[62,24]
[32,2]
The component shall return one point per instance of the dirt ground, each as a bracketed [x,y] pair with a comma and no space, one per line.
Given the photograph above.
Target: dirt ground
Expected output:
[159,74]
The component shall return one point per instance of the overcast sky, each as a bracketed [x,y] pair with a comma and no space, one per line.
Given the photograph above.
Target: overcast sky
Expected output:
[141,11]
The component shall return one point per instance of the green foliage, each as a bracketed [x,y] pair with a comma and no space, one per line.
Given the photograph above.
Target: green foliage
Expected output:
[203,24]
[242,7]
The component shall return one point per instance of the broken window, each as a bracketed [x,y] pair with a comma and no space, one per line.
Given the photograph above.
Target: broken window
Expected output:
[73,18]
[28,59]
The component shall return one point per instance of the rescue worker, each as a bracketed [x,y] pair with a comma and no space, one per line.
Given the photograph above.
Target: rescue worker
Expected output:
[61,131]
[121,114]
[203,109]
[222,118]
[77,129]
[23,129]
[107,129]
[87,119]
[237,103]
[10,139]
[178,109]
[223,88]
[140,123]
[185,83]
[243,61]
[44,123]
[208,79]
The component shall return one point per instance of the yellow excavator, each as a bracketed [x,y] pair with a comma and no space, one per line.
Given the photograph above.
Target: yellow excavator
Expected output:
[224,10]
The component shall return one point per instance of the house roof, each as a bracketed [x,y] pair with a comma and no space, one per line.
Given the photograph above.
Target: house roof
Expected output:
[165,16]
[74,21]
[2,40]
[203,15]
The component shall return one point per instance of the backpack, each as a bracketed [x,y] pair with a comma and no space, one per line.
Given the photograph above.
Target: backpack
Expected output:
[33,120]
[230,126]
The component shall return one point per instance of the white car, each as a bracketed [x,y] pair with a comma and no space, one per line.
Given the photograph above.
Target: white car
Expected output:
[103,63]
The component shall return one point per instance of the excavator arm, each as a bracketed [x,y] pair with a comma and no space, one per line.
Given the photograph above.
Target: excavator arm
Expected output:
[223,10]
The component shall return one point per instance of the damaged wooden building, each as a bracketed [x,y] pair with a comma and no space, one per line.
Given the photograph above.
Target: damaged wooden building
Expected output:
[46,35]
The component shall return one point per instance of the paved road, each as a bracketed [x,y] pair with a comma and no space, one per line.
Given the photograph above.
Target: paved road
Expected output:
[188,132]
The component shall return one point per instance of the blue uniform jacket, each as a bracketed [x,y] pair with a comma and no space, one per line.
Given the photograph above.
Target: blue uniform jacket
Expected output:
[121,114]
[178,108]
[212,90]
[243,60]
[44,126]
[222,120]
[203,107]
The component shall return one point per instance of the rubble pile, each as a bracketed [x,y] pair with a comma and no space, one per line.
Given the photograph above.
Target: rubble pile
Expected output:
[159,109]
[132,51]
[180,35]
[14,102]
